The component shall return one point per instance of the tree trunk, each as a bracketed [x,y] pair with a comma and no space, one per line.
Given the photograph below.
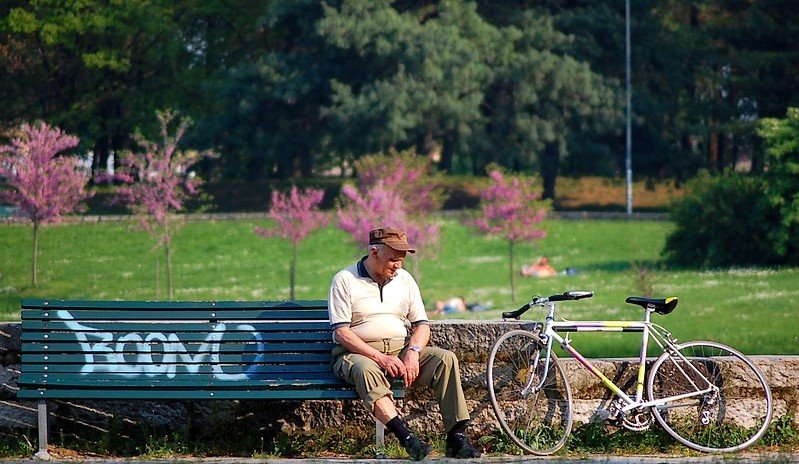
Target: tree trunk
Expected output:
[292,271]
[158,277]
[35,264]
[168,257]
[713,151]
[100,159]
[549,160]
[512,274]
[255,168]
[724,152]
[447,153]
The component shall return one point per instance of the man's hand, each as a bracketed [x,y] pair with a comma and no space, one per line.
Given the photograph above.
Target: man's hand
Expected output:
[394,366]
[411,365]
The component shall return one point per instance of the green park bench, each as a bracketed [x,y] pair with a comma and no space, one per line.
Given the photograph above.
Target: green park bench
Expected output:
[134,350]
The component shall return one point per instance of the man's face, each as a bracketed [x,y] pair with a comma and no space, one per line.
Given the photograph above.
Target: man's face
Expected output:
[388,262]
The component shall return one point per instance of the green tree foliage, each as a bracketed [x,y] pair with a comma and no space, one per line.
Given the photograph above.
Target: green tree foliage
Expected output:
[702,73]
[724,221]
[781,138]
[100,69]
[289,88]
[267,121]
[426,81]
[544,100]
[358,77]
[89,66]
[453,83]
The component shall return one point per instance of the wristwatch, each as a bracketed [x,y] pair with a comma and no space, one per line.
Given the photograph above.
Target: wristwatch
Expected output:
[416,348]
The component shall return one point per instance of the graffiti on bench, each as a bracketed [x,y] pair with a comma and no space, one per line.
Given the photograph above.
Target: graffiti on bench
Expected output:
[105,354]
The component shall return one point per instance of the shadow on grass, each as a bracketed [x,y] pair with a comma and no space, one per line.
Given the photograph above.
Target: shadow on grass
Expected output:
[622,266]
[9,307]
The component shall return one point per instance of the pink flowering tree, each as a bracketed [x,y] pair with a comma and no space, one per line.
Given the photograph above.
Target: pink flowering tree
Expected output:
[158,180]
[408,175]
[42,184]
[510,208]
[394,190]
[363,209]
[296,215]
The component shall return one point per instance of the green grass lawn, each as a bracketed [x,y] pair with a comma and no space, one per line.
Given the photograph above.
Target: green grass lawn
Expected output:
[753,310]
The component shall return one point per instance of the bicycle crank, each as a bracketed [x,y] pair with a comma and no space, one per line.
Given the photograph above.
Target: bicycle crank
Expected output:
[638,420]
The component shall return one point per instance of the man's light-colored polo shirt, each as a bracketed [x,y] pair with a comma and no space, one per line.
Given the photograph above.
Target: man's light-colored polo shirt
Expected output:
[374,313]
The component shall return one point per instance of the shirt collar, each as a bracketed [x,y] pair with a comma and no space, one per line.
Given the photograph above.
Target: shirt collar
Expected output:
[362,272]
[362,268]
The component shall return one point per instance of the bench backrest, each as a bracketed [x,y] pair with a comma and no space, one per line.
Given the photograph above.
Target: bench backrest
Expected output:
[178,350]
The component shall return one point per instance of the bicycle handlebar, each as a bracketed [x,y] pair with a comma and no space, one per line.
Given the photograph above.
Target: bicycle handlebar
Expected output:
[565,296]
[516,314]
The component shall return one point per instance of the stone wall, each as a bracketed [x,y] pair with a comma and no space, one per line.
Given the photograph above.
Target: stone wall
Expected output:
[470,340]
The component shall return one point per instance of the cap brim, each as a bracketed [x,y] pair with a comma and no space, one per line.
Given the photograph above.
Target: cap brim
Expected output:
[403,247]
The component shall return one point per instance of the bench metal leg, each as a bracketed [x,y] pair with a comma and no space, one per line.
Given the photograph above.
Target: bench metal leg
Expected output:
[380,438]
[43,432]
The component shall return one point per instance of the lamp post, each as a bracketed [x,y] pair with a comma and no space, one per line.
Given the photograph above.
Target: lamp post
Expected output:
[629,158]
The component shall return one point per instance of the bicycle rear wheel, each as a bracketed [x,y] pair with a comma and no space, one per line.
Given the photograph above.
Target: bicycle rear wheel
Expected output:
[537,419]
[732,413]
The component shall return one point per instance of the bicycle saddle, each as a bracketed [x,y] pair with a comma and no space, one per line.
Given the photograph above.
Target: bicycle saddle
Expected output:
[660,305]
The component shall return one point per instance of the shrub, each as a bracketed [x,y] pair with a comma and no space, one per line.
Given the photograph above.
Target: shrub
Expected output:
[724,221]
[781,140]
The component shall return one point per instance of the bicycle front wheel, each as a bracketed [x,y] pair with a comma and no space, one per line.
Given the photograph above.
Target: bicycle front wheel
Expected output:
[535,413]
[713,398]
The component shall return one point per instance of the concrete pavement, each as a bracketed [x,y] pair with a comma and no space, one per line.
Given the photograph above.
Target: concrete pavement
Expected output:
[740,458]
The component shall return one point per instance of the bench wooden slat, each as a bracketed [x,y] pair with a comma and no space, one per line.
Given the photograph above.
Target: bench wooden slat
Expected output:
[182,382]
[222,359]
[191,337]
[175,315]
[194,394]
[254,378]
[34,303]
[116,326]
[272,369]
[160,395]
[133,347]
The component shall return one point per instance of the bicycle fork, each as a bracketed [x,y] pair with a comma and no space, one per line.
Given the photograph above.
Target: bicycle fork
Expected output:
[532,364]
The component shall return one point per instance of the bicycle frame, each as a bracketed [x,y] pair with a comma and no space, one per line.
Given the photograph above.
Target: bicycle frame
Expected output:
[662,338]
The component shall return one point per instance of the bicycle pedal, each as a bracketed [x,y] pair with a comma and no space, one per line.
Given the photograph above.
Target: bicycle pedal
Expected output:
[601,416]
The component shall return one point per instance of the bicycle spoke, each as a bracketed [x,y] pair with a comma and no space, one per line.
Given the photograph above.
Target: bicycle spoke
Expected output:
[540,421]
[730,403]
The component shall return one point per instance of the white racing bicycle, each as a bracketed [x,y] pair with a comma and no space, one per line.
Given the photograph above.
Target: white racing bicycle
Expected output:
[708,396]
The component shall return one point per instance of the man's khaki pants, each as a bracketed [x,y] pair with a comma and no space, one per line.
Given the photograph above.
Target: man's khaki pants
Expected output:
[438,369]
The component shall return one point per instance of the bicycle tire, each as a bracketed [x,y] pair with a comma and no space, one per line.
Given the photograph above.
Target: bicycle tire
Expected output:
[729,419]
[541,421]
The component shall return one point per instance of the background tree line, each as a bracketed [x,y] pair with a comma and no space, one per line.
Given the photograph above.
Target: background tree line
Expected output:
[295,88]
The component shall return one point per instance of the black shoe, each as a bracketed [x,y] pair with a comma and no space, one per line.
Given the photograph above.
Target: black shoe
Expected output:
[459,446]
[416,448]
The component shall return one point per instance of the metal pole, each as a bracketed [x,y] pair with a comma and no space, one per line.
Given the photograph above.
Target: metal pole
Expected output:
[43,454]
[629,158]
